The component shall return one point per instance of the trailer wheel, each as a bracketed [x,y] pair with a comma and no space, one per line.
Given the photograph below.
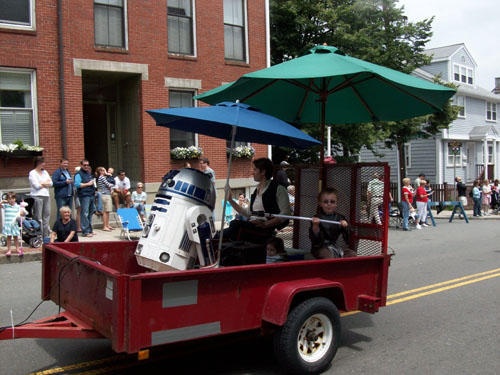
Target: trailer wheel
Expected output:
[308,341]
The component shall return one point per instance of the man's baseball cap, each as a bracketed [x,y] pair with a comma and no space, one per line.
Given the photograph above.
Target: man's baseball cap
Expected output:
[284,164]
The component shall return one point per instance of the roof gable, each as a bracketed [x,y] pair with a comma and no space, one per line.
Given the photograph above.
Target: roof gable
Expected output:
[446,53]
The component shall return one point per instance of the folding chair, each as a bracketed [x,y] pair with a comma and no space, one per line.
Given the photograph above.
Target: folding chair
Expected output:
[130,221]
[228,212]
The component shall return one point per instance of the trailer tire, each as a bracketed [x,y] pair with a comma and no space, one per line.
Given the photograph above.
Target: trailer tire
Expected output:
[308,341]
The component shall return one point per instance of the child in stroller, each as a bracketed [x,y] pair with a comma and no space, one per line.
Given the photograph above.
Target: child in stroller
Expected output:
[31,230]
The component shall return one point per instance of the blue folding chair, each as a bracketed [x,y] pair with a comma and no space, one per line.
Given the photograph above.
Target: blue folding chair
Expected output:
[130,221]
[228,212]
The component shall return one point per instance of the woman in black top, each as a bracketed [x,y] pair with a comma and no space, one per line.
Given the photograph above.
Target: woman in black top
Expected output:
[64,229]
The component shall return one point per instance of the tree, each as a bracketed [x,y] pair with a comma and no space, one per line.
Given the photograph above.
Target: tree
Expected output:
[401,132]
[373,30]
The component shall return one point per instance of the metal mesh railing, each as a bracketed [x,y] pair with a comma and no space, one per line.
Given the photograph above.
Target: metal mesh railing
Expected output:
[363,196]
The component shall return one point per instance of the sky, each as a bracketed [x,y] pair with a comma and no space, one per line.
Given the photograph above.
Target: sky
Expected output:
[474,23]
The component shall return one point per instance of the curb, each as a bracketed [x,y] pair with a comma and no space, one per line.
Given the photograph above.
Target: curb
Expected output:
[32,256]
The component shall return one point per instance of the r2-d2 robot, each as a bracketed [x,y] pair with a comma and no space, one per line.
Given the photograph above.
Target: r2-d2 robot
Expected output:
[180,226]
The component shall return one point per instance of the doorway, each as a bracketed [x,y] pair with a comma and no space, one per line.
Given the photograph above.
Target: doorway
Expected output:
[111,121]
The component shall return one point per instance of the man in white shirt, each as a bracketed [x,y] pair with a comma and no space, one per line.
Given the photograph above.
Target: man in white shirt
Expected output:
[122,190]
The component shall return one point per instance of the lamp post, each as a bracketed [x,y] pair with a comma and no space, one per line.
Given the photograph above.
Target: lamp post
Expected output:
[455,149]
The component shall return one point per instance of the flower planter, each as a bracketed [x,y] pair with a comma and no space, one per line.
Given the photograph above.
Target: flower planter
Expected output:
[19,154]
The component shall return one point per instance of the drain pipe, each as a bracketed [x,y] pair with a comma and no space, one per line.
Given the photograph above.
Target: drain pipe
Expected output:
[61,76]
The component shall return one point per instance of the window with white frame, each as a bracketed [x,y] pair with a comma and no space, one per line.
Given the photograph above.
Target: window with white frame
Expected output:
[459,101]
[17,14]
[407,148]
[109,23]
[177,99]
[463,74]
[491,111]
[16,107]
[180,26]
[234,30]
[454,157]
[490,153]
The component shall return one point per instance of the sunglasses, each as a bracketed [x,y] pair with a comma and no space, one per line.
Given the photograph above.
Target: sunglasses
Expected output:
[331,201]
[85,165]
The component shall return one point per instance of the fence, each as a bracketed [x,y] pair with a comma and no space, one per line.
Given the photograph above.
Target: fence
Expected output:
[442,192]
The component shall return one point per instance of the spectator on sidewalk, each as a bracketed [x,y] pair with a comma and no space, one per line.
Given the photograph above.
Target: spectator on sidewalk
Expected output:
[281,177]
[40,183]
[122,190]
[64,229]
[422,200]
[462,193]
[375,197]
[205,168]
[84,182]
[139,198]
[486,197]
[476,197]
[63,186]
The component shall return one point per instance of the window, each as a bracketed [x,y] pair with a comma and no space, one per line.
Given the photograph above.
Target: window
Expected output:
[454,155]
[490,153]
[459,101]
[407,149]
[491,111]
[109,23]
[17,14]
[180,27]
[179,138]
[234,30]
[16,107]
[463,74]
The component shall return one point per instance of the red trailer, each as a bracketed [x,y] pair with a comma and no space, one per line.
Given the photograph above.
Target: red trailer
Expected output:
[105,293]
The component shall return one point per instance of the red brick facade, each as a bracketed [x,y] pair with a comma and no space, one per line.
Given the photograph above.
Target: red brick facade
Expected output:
[147,45]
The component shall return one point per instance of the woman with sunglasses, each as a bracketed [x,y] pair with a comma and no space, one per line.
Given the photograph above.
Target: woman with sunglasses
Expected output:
[324,236]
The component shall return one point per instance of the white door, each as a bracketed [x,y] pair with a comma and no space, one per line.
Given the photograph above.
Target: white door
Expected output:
[470,169]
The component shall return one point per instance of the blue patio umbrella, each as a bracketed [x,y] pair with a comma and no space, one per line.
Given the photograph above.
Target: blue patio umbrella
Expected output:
[235,122]
[219,120]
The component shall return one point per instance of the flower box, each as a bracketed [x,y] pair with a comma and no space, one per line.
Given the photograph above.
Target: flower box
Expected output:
[19,154]
[241,152]
[186,153]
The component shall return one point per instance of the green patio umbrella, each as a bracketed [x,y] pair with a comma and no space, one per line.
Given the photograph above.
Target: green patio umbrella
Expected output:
[326,86]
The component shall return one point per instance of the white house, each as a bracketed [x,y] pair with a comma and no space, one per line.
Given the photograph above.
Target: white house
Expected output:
[476,129]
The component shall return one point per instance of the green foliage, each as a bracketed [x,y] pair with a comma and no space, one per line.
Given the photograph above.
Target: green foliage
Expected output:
[373,30]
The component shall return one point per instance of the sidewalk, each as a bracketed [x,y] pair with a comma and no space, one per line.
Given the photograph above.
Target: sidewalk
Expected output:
[31,254]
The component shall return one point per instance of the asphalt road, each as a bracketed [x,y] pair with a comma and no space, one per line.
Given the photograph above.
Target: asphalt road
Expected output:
[443,317]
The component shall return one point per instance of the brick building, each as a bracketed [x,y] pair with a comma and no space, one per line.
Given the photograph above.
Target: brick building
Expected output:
[110,60]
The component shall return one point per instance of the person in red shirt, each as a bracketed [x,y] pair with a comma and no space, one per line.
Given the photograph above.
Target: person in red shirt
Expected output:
[422,198]
[407,195]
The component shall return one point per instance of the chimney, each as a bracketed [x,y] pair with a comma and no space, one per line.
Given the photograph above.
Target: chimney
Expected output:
[496,90]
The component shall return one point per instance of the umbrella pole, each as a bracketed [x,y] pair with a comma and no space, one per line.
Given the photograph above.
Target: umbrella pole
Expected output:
[322,151]
[226,187]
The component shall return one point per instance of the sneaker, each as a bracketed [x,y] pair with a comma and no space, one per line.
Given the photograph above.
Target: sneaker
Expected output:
[425,225]
[407,229]
[418,227]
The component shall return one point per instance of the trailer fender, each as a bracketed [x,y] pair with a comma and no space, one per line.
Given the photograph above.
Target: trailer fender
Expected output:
[280,296]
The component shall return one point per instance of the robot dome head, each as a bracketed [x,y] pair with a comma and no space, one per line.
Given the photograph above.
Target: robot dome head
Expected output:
[189,184]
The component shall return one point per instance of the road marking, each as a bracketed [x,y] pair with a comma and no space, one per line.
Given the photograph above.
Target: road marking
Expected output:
[391,300]
[57,370]
[436,288]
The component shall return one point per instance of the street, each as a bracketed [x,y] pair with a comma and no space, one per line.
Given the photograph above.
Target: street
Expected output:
[442,317]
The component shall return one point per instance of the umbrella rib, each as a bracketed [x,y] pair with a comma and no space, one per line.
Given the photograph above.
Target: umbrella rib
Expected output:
[347,83]
[259,90]
[303,103]
[407,93]
[367,107]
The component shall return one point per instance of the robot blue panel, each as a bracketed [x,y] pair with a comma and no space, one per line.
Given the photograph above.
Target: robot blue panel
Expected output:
[170,240]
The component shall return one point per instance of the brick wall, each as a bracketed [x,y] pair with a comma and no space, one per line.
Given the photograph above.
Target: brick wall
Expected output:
[147,44]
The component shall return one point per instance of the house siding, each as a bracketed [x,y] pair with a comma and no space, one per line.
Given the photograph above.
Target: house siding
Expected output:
[438,68]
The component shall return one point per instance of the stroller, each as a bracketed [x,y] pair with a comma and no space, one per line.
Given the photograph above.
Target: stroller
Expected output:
[31,232]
